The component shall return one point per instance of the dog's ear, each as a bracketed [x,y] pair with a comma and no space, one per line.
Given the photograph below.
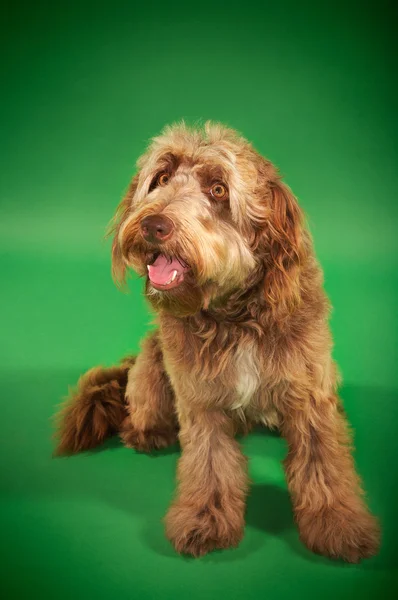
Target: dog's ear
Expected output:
[285,250]
[122,212]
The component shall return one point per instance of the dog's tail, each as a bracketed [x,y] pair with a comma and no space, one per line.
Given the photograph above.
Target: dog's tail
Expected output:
[94,410]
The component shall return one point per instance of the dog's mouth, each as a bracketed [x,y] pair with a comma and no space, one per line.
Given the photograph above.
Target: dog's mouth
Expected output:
[166,273]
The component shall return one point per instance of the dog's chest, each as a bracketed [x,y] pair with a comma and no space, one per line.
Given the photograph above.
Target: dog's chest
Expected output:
[226,371]
[247,376]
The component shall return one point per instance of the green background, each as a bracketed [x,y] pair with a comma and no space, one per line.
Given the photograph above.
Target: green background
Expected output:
[84,86]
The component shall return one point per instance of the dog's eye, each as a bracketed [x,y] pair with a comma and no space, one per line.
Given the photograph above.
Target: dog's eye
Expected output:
[163,179]
[219,191]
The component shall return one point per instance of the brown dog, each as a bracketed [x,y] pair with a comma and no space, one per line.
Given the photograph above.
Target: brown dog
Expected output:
[243,338]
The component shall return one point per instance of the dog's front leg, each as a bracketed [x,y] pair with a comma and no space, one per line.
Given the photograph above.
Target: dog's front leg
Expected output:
[208,512]
[327,497]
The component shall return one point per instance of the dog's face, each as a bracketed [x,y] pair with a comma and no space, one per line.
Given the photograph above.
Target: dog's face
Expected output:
[196,219]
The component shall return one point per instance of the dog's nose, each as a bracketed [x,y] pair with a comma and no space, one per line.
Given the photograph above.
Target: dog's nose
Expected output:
[156,228]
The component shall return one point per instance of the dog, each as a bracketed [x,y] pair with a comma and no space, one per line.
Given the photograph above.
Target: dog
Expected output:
[242,339]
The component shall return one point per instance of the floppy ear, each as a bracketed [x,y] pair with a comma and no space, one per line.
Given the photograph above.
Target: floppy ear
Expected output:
[285,251]
[122,212]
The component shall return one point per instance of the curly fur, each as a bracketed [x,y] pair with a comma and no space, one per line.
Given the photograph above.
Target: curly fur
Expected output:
[95,410]
[242,339]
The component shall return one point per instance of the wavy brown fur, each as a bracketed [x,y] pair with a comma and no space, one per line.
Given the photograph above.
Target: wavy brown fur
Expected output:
[152,423]
[94,411]
[243,339]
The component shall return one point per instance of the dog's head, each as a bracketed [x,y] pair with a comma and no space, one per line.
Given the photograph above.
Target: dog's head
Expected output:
[206,215]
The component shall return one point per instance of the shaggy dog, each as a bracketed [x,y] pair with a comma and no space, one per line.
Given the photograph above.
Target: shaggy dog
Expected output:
[242,339]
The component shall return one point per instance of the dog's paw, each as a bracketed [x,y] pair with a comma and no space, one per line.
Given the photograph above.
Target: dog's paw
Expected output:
[340,533]
[148,439]
[198,530]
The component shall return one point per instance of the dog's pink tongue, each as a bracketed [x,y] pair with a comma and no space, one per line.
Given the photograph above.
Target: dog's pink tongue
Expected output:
[162,270]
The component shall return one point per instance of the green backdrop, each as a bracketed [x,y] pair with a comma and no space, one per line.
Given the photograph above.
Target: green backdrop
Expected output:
[84,86]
